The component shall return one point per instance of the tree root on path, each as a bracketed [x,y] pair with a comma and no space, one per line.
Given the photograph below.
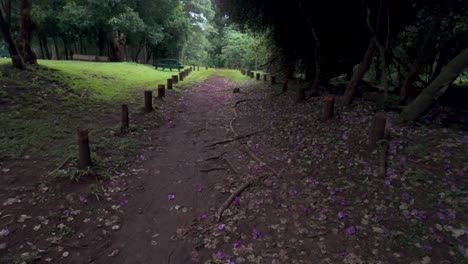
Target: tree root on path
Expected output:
[236,138]
[244,186]
[213,169]
[216,157]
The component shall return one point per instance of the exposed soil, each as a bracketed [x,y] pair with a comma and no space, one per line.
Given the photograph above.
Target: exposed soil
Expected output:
[321,197]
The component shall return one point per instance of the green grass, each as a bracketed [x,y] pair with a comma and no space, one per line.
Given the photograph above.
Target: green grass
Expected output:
[232,75]
[40,108]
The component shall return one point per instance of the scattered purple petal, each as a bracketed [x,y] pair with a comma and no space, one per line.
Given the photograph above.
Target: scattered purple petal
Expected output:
[440,215]
[237,244]
[200,189]
[236,200]
[82,198]
[422,215]
[204,217]
[221,227]
[256,234]
[171,197]
[350,230]
[427,247]
[124,202]
[220,254]
[4,232]
[303,209]
[342,215]
[293,193]
[405,197]
[344,254]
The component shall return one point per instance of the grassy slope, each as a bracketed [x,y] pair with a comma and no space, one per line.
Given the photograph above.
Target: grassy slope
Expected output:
[41,108]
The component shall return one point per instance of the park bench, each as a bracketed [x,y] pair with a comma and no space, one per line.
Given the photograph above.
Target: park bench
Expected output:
[169,64]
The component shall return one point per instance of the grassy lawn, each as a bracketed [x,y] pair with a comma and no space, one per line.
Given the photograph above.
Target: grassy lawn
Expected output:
[232,75]
[41,108]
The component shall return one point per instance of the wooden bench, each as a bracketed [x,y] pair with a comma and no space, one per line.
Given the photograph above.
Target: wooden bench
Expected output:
[169,64]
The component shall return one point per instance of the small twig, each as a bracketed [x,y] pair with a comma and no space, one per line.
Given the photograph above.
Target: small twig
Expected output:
[68,245]
[236,138]
[60,166]
[169,257]
[216,157]
[213,169]
[231,166]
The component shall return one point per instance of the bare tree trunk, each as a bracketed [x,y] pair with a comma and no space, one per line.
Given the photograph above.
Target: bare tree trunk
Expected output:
[57,52]
[46,48]
[418,63]
[351,89]
[117,44]
[12,49]
[25,36]
[436,88]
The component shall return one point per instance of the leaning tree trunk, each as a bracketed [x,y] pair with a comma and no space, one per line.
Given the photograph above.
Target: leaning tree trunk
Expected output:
[25,36]
[436,88]
[351,89]
[418,63]
[12,49]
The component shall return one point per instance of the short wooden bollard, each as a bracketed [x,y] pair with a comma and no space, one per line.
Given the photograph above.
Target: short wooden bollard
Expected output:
[125,118]
[148,101]
[328,108]
[161,91]
[181,76]
[206,68]
[198,68]
[258,76]
[285,86]
[83,147]
[377,132]
[169,84]
[265,77]
[301,95]
[175,79]
[273,80]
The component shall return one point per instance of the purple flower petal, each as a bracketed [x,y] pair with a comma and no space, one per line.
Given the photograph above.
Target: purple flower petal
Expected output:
[293,192]
[350,230]
[422,215]
[231,262]
[427,247]
[4,232]
[236,200]
[405,197]
[440,215]
[220,254]
[200,189]
[82,198]
[221,227]
[124,202]
[256,234]
[171,197]
[344,254]
[204,216]
[342,215]
[303,209]
[237,244]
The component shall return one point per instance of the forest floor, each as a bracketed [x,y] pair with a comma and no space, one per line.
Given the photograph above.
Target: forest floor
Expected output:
[316,194]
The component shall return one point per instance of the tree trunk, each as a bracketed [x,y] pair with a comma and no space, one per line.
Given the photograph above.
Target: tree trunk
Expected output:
[12,49]
[65,46]
[57,52]
[41,46]
[101,42]
[25,36]
[351,89]
[420,59]
[118,43]
[436,88]
[46,48]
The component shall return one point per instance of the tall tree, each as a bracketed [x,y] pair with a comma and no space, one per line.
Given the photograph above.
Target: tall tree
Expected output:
[5,9]
[25,36]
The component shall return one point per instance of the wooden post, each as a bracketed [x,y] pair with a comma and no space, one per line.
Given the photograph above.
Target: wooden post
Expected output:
[84,151]
[198,68]
[175,79]
[161,91]
[181,76]
[206,68]
[273,79]
[125,119]
[148,101]
[377,132]
[285,86]
[301,95]
[265,77]
[258,76]
[328,108]
[169,84]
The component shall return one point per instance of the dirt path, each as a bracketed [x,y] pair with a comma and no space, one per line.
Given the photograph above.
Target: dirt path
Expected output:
[153,223]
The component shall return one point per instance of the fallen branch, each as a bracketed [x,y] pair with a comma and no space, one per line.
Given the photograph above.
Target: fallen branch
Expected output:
[216,157]
[236,138]
[236,192]
[60,166]
[68,245]
[213,169]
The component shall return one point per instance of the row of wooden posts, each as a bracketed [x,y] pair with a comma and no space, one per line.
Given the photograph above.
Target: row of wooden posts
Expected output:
[84,160]
[377,131]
